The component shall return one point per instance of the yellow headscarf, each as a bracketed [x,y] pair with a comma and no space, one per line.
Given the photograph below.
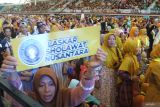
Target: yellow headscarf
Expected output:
[132,36]
[106,37]
[156,52]
[134,24]
[142,32]
[130,63]
[143,37]
[111,52]
[118,39]
[55,27]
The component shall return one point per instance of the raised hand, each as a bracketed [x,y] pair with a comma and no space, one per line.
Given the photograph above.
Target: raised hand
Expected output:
[9,64]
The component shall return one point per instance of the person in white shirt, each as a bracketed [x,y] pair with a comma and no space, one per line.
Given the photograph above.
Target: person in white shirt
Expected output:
[23,30]
[157,37]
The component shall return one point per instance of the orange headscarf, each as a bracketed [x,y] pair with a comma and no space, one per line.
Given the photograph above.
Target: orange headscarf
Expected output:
[62,97]
[132,32]
[132,36]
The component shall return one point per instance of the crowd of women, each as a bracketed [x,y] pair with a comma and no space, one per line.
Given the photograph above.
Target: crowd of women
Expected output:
[123,73]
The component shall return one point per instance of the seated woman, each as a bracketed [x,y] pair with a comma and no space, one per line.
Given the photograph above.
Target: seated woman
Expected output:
[46,86]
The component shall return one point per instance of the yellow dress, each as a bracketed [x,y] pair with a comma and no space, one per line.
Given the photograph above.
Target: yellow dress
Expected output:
[133,37]
[130,63]
[144,38]
[106,93]
[127,87]
[153,77]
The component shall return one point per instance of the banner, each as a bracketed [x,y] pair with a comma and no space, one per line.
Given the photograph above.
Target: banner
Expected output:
[46,49]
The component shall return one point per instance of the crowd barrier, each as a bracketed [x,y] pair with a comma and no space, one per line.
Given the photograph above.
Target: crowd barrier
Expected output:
[20,97]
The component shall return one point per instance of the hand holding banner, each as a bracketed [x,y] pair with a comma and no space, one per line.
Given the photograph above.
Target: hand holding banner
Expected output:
[45,49]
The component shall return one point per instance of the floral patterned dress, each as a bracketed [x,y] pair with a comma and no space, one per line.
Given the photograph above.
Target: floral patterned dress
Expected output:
[105,88]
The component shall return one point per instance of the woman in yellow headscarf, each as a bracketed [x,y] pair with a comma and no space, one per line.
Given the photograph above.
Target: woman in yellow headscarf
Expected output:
[114,54]
[134,32]
[119,33]
[153,77]
[106,91]
[130,49]
[118,39]
[128,71]
[144,38]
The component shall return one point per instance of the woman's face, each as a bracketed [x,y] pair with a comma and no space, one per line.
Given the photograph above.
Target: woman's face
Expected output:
[8,33]
[136,32]
[138,50]
[111,41]
[46,89]
[122,36]
[24,29]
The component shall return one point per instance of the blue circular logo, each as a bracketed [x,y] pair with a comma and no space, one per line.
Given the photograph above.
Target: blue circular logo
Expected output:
[30,52]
